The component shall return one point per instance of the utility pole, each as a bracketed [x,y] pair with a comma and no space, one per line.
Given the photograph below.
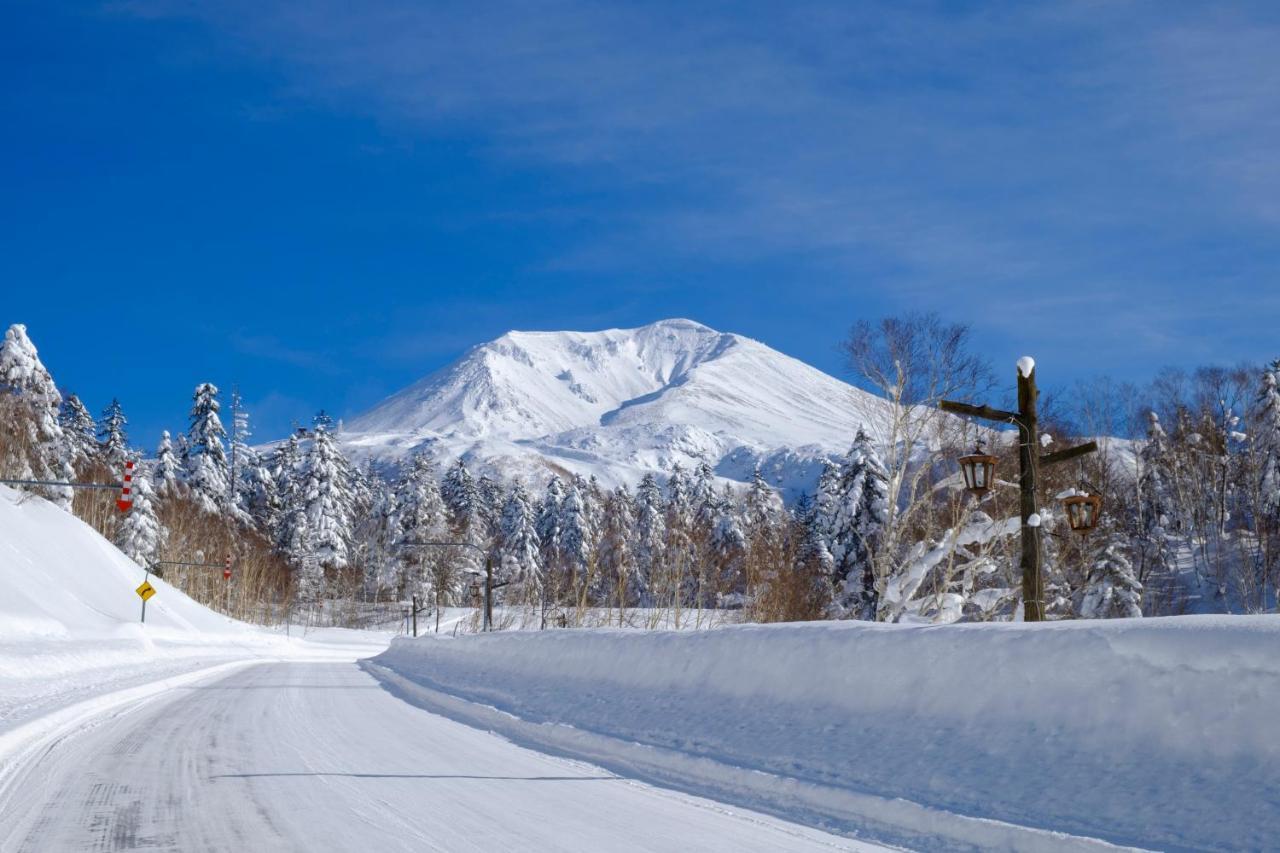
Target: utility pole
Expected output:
[1029,462]
[489,585]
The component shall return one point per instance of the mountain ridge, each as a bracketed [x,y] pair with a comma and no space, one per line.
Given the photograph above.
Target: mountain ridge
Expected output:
[617,403]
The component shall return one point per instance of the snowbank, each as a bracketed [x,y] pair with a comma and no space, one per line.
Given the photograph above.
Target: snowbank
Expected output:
[1148,732]
[69,616]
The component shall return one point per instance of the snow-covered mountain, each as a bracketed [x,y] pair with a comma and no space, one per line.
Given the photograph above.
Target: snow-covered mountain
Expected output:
[620,402]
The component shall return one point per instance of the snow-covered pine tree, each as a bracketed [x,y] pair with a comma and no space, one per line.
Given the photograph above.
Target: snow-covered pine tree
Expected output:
[862,510]
[246,476]
[574,541]
[489,503]
[113,440]
[767,542]
[519,556]
[549,535]
[763,507]
[1157,501]
[166,471]
[728,550]
[419,516]
[284,466]
[81,432]
[461,500]
[1112,590]
[325,488]
[32,444]
[679,553]
[813,560]
[140,534]
[650,538]
[592,510]
[416,514]
[420,507]
[206,457]
[617,565]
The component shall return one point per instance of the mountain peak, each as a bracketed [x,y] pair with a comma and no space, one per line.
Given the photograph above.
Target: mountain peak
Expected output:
[619,403]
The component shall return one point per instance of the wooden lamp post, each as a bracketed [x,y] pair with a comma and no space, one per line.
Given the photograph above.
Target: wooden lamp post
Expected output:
[1029,462]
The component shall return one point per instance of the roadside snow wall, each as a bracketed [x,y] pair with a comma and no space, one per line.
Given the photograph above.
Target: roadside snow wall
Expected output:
[1157,733]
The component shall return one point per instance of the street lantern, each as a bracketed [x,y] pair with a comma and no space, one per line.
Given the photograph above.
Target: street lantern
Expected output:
[1083,512]
[979,470]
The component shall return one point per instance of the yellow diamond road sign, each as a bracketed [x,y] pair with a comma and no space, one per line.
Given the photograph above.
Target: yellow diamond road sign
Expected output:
[146,590]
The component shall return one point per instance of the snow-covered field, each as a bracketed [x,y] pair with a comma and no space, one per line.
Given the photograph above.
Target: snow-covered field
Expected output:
[1154,733]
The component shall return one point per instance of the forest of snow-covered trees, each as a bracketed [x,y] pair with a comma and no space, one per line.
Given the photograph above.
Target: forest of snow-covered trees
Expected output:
[1189,473]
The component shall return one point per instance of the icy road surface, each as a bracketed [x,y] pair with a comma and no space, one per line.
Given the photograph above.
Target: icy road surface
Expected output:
[317,756]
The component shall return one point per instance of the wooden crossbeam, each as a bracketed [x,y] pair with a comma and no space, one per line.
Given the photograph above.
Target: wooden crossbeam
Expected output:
[1070,453]
[984,412]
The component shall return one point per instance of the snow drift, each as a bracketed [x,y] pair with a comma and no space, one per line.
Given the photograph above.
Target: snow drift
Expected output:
[1145,732]
[69,618]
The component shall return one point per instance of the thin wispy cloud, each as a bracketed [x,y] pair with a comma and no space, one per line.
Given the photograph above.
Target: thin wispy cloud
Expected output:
[999,151]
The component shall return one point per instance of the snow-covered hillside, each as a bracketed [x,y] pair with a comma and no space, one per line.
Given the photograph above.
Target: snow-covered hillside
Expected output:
[621,402]
[69,618]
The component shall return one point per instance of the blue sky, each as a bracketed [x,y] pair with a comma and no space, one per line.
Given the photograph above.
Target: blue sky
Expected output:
[323,201]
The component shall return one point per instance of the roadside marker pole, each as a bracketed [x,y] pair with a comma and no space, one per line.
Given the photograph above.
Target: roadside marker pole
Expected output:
[125,501]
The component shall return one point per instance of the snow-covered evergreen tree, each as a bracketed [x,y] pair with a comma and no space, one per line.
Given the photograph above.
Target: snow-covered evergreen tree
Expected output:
[617,580]
[205,463]
[489,503]
[549,533]
[650,537]
[813,559]
[1112,590]
[112,437]
[290,529]
[862,510]
[728,549]
[1158,505]
[574,539]
[462,501]
[32,444]
[249,489]
[519,555]
[763,506]
[325,486]
[166,471]
[140,534]
[80,430]
[420,507]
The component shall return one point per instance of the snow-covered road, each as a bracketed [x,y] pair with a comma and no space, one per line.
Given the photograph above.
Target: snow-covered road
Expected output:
[316,755]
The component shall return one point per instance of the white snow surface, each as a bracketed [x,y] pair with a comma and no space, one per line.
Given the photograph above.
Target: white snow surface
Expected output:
[621,402]
[195,732]
[1154,732]
[69,619]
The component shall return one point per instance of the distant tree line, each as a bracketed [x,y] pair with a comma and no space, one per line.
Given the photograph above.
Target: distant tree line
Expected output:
[1190,479]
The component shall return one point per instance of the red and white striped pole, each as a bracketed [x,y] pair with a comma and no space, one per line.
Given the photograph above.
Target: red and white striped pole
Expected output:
[226,572]
[125,502]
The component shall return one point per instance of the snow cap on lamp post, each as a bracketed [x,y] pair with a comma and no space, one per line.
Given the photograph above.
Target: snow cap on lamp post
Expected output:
[979,470]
